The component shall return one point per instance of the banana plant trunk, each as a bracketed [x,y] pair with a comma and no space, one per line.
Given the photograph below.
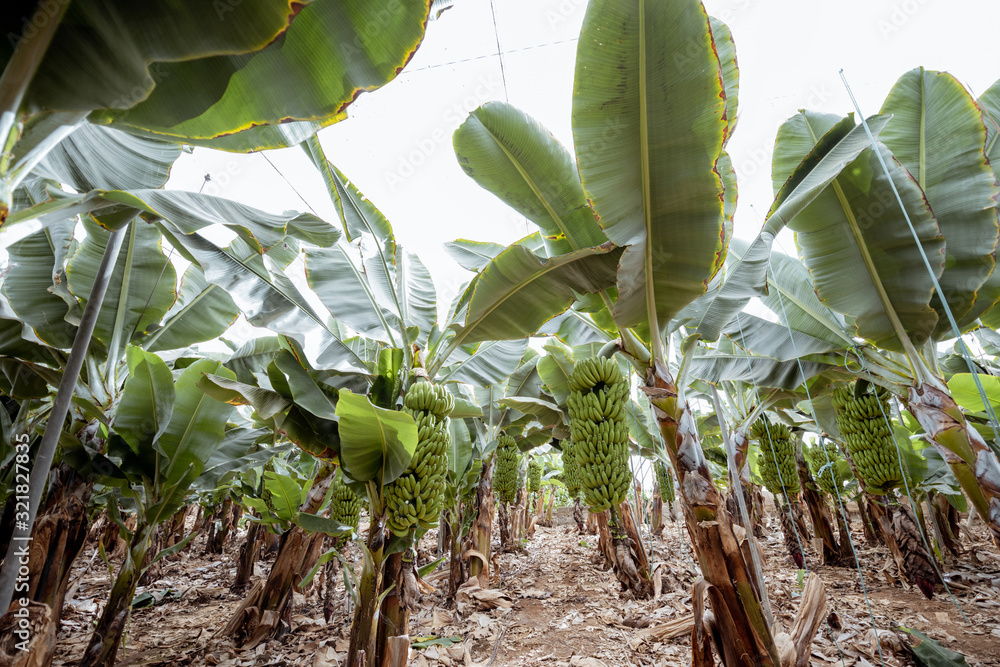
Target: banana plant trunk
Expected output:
[730,584]
[970,458]
[248,558]
[330,574]
[399,586]
[361,649]
[222,523]
[819,512]
[107,637]
[789,532]
[259,616]
[751,492]
[481,531]
[59,536]
[656,520]
[631,563]
[455,570]
[946,518]
[847,557]
[579,516]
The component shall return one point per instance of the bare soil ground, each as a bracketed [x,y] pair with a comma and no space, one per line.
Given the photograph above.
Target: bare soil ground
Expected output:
[560,609]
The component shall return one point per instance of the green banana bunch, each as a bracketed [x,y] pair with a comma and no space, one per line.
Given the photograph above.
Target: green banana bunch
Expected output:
[571,470]
[826,476]
[863,423]
[505,475]
[534,476]
[664,479]
[598,394]
[777,457]
[345,506]
[416,497]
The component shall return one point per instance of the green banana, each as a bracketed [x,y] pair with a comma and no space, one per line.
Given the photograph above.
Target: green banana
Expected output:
[777,457]
[415,498]
[599,435]
[507,467]
[869,441]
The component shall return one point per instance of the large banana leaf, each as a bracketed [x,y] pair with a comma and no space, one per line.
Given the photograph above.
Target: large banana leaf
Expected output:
[266,402]
[937,134]
[775,340]
[253,357]
[473,255]
[555,369]
[192,211]
[197,425]
[141,289]
[791,298]
[415,293]
[525,381]
[338,278]
[747,266]
[649,122]
[989,104]
[513,156]
[269,300]
[304,389]
[856,243]
[725,48]
[714,366]
[331,53]
[102,53]
[26,287]
[518,291]
[202,312]
[375,444]
[484,365]
[99,158]
[357,213]
[147,403]
[239,76]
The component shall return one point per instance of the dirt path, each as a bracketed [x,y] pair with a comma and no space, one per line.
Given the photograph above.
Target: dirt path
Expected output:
[563,611]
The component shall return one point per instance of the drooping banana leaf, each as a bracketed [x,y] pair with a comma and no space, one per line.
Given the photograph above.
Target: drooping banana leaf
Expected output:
[518,291]
[376,444]
[856,243]
[238,76]
[509,153]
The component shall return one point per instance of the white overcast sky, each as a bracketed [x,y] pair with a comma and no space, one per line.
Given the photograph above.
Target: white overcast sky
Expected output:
[396,145]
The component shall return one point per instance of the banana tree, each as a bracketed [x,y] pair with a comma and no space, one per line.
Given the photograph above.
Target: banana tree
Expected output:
[82,59]
[856,228]
[815,343]
[164,432]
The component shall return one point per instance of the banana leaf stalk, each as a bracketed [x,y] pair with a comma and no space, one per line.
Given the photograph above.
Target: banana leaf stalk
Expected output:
[966,452]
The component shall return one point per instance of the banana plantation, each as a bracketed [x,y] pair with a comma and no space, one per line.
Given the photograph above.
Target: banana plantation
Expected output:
[631,437]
